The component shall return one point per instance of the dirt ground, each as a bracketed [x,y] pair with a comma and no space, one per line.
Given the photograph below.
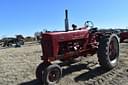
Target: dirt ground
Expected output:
[18,65]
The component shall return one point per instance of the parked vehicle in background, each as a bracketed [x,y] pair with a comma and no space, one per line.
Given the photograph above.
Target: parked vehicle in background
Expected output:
[10,41]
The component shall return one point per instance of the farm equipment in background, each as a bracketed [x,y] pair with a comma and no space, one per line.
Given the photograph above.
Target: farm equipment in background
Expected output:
[71,44]
[123,36]
[122,33]
[9,41]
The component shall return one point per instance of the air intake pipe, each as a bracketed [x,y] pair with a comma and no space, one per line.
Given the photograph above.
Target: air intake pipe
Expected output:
[66,21]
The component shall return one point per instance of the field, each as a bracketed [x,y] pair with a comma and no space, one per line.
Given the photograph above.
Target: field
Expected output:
[18,65]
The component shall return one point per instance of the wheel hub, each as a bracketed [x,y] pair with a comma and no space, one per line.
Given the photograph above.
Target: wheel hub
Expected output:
[112,50]
[53,75]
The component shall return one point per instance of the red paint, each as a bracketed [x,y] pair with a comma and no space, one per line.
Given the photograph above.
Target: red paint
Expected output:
[51,44]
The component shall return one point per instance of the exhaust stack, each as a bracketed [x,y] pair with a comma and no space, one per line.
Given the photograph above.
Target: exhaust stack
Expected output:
[66,21]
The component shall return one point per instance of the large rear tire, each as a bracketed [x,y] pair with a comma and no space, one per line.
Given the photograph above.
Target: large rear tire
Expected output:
[108,51]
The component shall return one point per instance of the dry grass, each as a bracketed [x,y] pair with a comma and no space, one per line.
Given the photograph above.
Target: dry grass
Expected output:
[18,65]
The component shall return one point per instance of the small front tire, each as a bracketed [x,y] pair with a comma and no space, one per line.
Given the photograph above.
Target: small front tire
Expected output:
[48,74]
[52,74]
[40,71]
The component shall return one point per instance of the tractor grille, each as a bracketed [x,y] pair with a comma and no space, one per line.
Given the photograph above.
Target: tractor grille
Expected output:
[47,48]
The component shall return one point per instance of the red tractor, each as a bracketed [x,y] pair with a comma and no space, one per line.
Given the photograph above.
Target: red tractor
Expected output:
[70,44]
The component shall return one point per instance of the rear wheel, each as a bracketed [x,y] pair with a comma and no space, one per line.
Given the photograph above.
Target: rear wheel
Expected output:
[108,51]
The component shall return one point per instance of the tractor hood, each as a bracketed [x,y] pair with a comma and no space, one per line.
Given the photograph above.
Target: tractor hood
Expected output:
[66,36]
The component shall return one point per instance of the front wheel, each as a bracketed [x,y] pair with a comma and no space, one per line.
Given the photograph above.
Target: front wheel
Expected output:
[108,51]
[40,71]
[48,74]
[52,74]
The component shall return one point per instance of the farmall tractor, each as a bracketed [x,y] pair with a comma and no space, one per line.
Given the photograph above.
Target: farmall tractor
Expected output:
[70,44]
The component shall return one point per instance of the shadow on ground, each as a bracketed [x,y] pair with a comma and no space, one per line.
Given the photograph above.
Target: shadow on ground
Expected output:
[73,68]
[90,74]
[33,82]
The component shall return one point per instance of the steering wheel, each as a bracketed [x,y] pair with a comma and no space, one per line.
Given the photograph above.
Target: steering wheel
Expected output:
[89,24]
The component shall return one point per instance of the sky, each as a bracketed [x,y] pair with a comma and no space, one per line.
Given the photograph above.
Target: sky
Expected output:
[29,16]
